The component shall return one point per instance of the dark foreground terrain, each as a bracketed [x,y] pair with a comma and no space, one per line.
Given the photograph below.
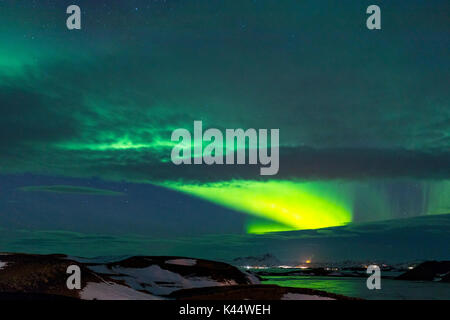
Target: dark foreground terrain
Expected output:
[44,277]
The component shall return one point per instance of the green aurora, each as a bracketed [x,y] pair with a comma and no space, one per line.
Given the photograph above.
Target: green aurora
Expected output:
[287,205]
[293,206]
[364,118]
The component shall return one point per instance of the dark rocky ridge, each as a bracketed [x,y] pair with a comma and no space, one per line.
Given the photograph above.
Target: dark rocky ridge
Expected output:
[43,277]
[429,271]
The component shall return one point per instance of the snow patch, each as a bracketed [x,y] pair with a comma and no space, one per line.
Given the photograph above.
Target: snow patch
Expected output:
[183,262]
[103,269]
[252,278]
[112,291]
[161,282]
[3,264]
[299,296]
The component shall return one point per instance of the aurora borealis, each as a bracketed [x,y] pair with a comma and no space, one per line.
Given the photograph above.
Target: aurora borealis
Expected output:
[87,115]
[294,206]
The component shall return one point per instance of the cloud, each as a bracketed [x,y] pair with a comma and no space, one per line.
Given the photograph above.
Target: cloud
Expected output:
[295,163]
[348,105]
[71,190]
[389,241]
[48,128]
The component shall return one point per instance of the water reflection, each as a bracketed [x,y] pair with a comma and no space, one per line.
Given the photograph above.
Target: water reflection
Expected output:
[356,287]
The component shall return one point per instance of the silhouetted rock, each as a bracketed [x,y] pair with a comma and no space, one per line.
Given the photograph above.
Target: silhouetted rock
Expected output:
[44,277]
[429,271]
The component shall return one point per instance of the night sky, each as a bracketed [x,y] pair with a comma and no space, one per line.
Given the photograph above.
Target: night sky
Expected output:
[87,115]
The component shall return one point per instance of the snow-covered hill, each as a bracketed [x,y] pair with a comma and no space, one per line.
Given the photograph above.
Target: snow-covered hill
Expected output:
[139,278]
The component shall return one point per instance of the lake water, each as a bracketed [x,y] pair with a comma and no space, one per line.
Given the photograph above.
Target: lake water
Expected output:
[356,287]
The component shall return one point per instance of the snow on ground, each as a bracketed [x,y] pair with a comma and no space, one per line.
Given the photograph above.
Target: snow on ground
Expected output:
[299,296]
[252,278]
[183,262]
[3,264]
[103,269]
[160,281]
[112,291]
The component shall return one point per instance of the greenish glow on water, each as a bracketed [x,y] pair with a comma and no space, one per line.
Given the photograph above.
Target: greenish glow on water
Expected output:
[356,287]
